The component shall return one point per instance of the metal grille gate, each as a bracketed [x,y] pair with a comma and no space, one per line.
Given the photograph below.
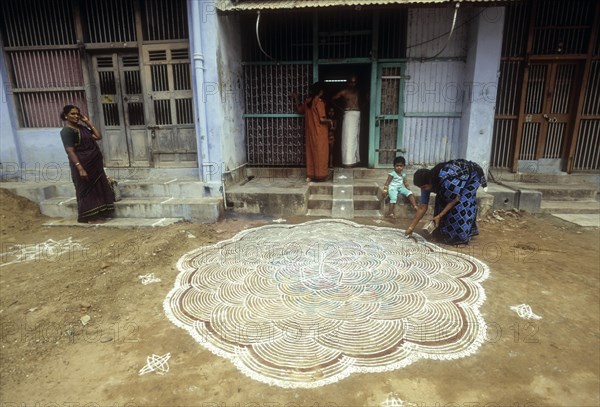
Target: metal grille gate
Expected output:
[587,153]
[537,112]
[275,135]
[294,47]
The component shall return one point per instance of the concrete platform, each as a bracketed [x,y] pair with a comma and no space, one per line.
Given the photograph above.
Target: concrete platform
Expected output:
[285,192]
[552,191]
[350,193]
[119,223]
[585,220]
[572,207]
[157,198]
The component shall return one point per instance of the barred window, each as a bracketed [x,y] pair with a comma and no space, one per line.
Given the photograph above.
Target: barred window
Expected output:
[43,60]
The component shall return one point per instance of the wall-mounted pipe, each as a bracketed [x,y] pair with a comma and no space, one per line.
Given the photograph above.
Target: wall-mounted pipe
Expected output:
[201,119]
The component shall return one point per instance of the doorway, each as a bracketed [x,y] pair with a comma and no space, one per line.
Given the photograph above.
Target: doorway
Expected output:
[120,102]
[335,78]
[548,111]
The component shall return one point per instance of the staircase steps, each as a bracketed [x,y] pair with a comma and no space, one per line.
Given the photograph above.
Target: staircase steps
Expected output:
[580,206]
[559,192]
[141,199]
[563,198]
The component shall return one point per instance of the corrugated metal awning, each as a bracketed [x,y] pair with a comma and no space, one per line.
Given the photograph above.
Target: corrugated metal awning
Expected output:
[241,5]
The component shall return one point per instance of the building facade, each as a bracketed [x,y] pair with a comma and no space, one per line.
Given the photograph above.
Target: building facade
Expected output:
[202,88]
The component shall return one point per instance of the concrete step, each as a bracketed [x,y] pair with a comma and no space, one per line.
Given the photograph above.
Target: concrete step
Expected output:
[278,197]
[320,201]
[118,223]
[324,213]
[320,188]
[367,213]
[366,202]
[368,187]
[558,192]
[375,173]
[204,210]
[38,192]
[166,187]
[579,206]
[537,177]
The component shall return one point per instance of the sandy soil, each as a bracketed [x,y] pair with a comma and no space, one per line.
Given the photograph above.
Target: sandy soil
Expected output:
[48,358]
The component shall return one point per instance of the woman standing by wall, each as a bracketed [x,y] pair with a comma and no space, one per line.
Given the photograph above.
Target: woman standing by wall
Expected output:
[95,197]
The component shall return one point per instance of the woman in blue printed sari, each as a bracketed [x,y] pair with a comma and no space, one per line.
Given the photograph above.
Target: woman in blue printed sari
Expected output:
[455,184]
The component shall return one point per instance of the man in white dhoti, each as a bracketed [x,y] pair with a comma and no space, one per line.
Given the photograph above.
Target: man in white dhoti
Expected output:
[350,124]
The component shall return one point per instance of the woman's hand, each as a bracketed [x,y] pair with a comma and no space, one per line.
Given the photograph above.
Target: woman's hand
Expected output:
[437,219]
[408,232]
[83,173]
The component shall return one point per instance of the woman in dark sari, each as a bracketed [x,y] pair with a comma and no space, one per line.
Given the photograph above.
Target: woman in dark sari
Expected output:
[455,184]
[95,197]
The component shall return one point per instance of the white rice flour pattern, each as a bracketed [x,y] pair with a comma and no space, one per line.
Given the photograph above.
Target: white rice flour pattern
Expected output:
[307,305]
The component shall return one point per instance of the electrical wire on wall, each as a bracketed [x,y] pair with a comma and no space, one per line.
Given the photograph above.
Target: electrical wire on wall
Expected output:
[449,35]
[258,39]
[447,32]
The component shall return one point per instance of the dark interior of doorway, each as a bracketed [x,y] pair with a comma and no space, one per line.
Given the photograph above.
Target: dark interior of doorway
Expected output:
[344,72]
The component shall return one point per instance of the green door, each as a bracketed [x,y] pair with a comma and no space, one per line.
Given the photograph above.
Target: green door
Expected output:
[388,114]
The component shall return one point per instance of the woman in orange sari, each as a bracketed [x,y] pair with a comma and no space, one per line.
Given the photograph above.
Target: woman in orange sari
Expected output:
[316,130]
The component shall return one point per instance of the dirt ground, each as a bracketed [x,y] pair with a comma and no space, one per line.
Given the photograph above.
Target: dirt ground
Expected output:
[48,358]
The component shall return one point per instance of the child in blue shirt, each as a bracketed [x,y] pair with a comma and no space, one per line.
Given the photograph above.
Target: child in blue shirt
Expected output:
[396,183]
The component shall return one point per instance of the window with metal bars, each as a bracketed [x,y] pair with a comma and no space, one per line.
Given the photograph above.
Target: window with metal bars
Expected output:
[178,91]
[108,21]
[283,37]
[345,35]
[164,20]
[514,46]
[44,59]
[563,27]
[42,80]
[587,152]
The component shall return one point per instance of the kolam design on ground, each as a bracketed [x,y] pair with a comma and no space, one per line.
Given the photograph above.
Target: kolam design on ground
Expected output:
[307,305]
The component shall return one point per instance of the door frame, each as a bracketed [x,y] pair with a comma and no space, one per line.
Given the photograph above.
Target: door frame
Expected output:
[376,116]
[523,117]
[180,134]
[125,127]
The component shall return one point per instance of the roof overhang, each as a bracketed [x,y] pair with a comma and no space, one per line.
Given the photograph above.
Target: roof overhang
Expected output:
[246,5]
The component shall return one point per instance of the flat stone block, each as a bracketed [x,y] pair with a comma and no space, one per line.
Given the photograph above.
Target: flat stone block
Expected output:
[119,223]
[269,203]
[585,220]
[530,201]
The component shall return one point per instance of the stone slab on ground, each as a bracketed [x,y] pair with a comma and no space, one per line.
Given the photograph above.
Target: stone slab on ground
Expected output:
[571,207]
[581,219]
[120,223]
